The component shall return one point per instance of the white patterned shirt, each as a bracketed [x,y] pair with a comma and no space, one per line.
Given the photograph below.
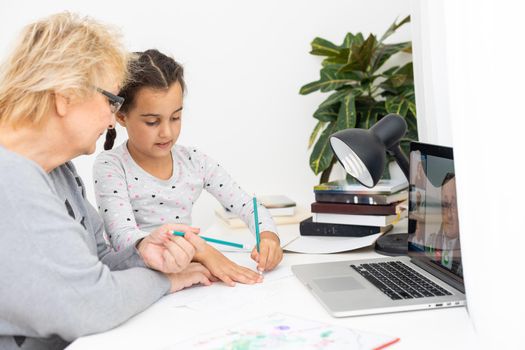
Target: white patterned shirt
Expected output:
[133,202]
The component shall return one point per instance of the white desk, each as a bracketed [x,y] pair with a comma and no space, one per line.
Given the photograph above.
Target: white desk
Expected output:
[163,325]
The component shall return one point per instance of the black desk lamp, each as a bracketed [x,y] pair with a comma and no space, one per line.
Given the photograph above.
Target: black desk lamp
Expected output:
[362,154]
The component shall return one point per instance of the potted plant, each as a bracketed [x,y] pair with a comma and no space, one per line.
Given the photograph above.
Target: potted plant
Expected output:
[361,90]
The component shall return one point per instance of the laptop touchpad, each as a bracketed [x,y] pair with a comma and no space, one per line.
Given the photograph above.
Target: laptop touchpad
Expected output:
[337,284]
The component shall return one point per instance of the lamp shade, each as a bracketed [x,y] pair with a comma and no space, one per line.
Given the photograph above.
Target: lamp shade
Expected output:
[362,152]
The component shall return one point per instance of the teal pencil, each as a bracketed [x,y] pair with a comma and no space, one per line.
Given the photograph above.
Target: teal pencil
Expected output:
[213,240]
[256,217]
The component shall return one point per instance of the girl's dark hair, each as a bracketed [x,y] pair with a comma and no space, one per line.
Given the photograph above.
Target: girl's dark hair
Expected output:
[148,69]
[448,177]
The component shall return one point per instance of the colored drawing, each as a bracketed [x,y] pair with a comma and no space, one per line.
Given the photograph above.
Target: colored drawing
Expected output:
[278,331]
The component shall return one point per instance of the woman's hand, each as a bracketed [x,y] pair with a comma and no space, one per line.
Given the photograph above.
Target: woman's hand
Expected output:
[195,273]
[224,269]
[164,252]
[270,254]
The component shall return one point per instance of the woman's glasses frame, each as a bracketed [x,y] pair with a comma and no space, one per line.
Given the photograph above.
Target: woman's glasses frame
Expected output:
[115,102]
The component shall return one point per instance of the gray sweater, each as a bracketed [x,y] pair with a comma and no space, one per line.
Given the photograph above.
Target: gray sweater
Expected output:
[59,280]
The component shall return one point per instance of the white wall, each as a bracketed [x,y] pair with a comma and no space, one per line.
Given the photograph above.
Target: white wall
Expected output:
[478,48]
[430,72]
[244,62]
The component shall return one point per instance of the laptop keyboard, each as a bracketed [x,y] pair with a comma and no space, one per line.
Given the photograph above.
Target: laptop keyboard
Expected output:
[398,281]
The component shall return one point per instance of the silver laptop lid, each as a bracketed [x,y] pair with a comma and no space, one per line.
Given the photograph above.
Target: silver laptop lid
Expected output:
[433,226]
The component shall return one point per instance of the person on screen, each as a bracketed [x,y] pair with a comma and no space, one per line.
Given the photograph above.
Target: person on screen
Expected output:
[419,234]
[445,242]
[417,208]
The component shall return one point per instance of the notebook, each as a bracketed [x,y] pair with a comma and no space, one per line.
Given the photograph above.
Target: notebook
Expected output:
[431,276]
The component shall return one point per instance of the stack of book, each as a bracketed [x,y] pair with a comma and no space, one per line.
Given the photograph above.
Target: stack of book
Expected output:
[349,209]
[283,210]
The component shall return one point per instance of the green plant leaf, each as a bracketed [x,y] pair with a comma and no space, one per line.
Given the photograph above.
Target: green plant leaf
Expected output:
[393,27]
[359,39]
[412,108]
[322,153]
[330,80]
[347,113]
[403,76]
[407,69]
[384,52]
[334,98]
[340,58]
[323,47]
[310,87]
[374,117]
[318,127]
[397,104]
[366,119]
[334,60]
[370,112]
[327,114]
[331,66]
[400,82]
[347,43]
[360,56]
[366,116]
[364,54]
[389,71]
[412,127]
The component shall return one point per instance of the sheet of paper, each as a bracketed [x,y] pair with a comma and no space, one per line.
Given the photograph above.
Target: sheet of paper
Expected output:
[246,261]
[279,331]
[322,245]
[205,297]
[232,297]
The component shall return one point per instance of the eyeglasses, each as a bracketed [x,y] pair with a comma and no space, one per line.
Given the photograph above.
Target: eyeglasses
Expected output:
[115,102]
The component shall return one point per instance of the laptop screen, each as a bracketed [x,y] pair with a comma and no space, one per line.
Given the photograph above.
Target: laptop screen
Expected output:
[433,225]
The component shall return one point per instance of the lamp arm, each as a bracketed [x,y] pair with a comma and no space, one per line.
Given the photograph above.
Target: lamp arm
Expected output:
[400,158]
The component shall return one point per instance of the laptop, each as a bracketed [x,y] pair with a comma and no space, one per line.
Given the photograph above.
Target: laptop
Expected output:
[430,276]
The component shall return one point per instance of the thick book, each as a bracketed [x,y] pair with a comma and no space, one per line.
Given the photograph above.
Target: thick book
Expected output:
[365,220]
[348,208]
[370,199]
[384,186]
[310,228]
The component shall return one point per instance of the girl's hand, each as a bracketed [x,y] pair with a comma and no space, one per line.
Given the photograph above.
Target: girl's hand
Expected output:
[271,252]
[195,273]
[224,269]
[164,252]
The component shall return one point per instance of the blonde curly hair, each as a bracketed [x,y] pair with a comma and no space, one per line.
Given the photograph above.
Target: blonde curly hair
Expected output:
[64,53]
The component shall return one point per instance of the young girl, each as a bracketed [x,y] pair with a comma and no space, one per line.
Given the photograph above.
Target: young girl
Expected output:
[150,180]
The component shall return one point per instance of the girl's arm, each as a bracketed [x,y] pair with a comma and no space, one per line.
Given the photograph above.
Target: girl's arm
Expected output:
[232,197]
[112,196]
[221,185]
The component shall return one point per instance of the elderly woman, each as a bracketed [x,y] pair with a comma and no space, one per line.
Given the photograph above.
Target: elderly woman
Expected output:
[59,279]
